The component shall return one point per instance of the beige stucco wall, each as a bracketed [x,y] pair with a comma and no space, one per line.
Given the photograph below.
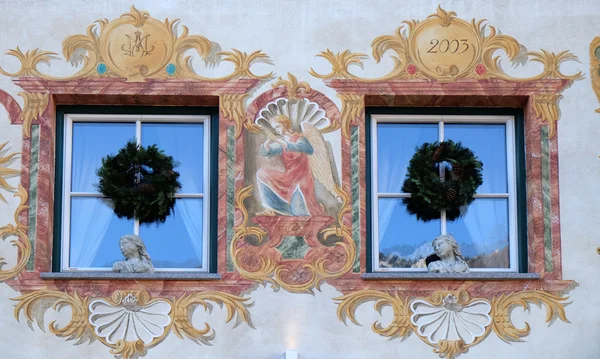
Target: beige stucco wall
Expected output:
[291,33]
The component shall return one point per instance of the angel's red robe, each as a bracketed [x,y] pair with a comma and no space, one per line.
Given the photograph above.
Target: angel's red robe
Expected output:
[297,174]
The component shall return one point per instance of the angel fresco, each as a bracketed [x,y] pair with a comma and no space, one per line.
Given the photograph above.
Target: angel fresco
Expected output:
[306,158]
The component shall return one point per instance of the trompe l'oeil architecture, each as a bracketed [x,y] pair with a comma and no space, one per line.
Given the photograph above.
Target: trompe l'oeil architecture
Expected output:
[209,178]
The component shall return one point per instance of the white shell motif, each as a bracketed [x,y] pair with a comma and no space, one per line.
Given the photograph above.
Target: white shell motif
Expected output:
[451,320]
[129,321]
[297,111]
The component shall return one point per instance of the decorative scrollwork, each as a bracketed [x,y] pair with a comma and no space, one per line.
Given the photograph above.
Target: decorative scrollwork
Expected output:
[243,61]
[422,48]
[448,310]
[233,109]
[294,88]
[5,172]
[75,329]
[352,108]
[340,63]
[34,107]
[546,108]
[21,242]
[595,66]
[93,318]
[237,307]
[399,327]
[137,47]
[243,230]
[502,307]
[29,61]
[260,262]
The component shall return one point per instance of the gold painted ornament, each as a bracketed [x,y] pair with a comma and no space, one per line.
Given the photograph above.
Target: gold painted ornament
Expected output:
[137,47]
[439,320]
[130,321]
[21,242]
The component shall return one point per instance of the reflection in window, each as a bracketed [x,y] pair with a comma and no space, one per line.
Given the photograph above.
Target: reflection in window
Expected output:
[486,233]
[91,230]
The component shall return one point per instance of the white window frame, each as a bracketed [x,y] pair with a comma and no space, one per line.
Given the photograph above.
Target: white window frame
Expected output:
[440,120]
[69,119]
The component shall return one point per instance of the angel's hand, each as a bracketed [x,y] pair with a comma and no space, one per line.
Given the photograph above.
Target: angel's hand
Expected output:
[270,135]
[282,143]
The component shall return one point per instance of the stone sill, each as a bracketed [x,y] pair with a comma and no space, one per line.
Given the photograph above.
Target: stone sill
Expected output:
[450,276]
[200,276]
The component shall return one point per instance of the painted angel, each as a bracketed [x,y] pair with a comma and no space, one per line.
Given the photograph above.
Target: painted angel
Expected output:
[305,157]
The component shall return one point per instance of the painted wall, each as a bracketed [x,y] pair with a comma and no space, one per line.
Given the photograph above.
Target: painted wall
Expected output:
[291,34]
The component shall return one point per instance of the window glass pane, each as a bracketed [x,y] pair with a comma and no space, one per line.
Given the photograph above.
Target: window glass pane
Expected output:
[402,239]
[95,234]
[396,144]
[185,143]
[177,243]
[488,143]
[483,233]
[91,142]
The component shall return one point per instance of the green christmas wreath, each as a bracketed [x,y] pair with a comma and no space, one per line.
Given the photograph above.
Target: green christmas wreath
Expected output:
[429,193]
[139,182]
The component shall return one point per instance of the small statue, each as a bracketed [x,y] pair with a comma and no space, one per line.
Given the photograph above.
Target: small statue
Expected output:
[137,259]
[449,259]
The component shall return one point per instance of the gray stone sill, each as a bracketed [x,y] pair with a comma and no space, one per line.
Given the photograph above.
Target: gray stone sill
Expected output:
[131,276]
[442,276]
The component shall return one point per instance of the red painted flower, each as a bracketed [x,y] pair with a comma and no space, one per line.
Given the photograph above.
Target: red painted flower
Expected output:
[480,69]
[411,69]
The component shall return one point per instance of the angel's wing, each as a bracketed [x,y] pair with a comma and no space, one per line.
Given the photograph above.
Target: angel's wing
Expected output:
[320,162]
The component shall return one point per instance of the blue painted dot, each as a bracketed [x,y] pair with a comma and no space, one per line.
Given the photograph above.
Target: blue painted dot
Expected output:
[101,68]
[171,69]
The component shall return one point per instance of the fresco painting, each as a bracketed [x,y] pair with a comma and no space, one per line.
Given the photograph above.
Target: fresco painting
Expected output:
[293,214]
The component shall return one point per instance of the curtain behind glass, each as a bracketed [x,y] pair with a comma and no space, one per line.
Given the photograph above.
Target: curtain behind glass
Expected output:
[185,142]
[90,217]
[488,143]
[396,144]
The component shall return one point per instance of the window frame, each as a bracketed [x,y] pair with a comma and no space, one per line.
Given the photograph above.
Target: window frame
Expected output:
[67,115]
[513,118]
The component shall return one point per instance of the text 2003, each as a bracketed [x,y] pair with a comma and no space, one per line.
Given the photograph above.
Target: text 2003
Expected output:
[453,46]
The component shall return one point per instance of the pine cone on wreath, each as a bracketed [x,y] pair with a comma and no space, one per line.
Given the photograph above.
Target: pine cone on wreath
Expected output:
[458,171]
[146,188]
[437,155]
[451,194]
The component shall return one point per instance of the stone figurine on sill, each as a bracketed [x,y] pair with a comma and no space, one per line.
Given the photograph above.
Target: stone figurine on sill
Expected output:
[447,257]
[137,259]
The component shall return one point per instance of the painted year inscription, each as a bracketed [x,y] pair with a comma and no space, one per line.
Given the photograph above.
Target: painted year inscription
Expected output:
[454,46]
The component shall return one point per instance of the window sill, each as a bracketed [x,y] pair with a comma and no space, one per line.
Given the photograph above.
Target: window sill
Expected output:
[443,276]
[200,276]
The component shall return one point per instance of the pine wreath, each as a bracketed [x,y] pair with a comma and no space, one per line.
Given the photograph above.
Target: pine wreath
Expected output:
[139,182]
[429,194]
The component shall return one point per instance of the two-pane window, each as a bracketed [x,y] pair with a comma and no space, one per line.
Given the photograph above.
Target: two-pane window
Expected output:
[90,229]
[486,233]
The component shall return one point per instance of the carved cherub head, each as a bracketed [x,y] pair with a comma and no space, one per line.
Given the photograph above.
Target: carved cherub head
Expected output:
[446,246]
[132,246]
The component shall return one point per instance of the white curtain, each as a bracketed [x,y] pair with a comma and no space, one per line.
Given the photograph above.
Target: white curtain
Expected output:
[90,217]
[190,168]
[392,165]
[482,221]
[392,170]
[191,213]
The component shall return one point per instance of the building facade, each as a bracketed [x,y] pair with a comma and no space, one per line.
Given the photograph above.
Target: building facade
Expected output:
[303,220]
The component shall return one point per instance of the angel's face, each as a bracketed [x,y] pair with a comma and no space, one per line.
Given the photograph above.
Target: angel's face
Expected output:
[278,128]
